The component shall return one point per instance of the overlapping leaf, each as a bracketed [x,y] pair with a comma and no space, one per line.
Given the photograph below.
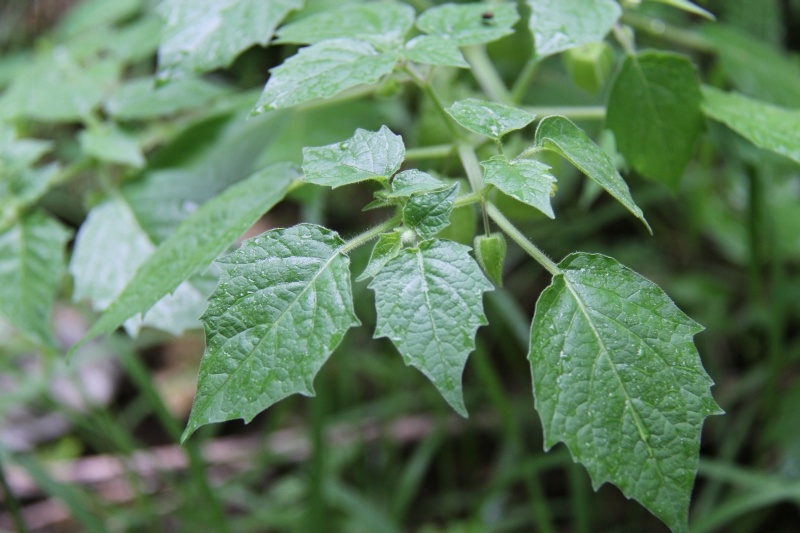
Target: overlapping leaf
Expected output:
[618,379]
[109,143]
[387,248]
[367,155]
[429,304]
[559,25]
[654,112]
[526,180]
[283,304]
[429,213]
[32,262]
[189,250]
[489,119]
[323,70]
[765,125]
[201,35]
[387,20]
[470,24]
[434,50]
[565,138]
[413,181]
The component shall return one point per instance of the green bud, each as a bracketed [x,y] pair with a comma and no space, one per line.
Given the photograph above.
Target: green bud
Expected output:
[590,65]
[490,251]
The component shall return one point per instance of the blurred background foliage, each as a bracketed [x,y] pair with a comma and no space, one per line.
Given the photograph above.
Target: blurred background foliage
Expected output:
[91,445]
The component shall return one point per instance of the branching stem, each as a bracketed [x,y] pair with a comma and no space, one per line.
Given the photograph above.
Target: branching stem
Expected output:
[368,235]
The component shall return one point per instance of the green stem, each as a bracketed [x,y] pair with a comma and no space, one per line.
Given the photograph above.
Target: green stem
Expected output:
[524,80]
[486,74]
[471,166]
[657,28]
[368,235]
[571,112]
[517,236]
[435,100]
[439,151]
[625,38]
[468,199]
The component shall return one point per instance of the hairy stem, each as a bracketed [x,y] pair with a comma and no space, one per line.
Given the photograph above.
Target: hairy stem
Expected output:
[486,74]
[517,236]
[368,235]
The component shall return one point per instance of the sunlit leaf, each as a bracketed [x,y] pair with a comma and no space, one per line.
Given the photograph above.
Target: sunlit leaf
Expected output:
[559,25]
[202,35]
[618,379]
[283,304]
[429,303]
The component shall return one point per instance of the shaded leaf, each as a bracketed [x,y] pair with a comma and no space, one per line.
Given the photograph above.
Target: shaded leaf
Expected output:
[366,155]
[767,126]
[190,249]
[323,70]
[202,35]
[654,112]
[56,88]
[429,213]
[429,304]
[388,20]
[489,119]
[387,248]
[109,248]
[283,304]
[559,25]
[526,180]
[32,262]
[618,379]
[470,24]
[140,99]
[565,138]
[20,185]
[434,50]
[109,143]
[754,67]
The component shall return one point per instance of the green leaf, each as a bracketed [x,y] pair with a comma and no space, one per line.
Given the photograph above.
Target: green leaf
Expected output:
[366,155]
[190,249]
[283,304]
[429,304]
[470,24]
[202,35]
[434,50]
[323,70]
[559,25]
[688,6]
[20,185]
[429,213]
[568,140]
[618,379]
[110,247]
[654,112]
[387,248]
[140,99]
[754,67]
[490,251]
[489,119]
[389,20]
[32,262]
[57,88]
[767,126]
[526,180]
[413,181]
[109,143]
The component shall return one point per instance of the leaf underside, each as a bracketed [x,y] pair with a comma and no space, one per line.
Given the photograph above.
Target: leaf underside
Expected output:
[429,304]
[618,379]
[283,304]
